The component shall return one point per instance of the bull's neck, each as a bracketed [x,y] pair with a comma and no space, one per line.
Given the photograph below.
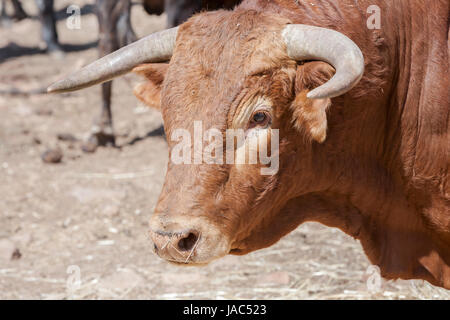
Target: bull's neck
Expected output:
[382,170]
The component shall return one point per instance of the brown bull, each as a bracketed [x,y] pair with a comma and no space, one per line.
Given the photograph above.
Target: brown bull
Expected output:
[367,155]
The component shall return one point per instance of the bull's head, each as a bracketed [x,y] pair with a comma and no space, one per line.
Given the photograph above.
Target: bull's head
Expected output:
[234,70]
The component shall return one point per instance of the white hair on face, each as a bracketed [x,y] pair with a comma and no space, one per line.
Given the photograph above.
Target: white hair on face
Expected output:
[256,139]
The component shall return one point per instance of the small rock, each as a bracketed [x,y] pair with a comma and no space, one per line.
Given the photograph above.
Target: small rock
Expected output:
[100,235]
[111,210]
[66,222]
[89,147]
[16,255]
[36,140]
[52,156]
[66,137]
[44,112]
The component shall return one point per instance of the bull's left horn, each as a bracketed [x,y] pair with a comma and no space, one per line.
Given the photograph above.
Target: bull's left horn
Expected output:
[157,47]
[305,42]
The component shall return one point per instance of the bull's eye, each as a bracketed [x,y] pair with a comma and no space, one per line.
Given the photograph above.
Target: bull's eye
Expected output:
[260,119]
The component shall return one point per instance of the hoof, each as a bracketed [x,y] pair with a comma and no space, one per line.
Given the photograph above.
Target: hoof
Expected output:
[52,156]
[99,139]
[19,16]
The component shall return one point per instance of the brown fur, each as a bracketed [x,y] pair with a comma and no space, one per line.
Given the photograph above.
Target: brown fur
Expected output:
[309,115]
[149,92]
[381,175]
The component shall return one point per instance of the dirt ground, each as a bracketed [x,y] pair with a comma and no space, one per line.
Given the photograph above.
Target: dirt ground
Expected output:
[88,215]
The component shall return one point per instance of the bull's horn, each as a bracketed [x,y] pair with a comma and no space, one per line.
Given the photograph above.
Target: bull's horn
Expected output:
[305,42]
[157,47]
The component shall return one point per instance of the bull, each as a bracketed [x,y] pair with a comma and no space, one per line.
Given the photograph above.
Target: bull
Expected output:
[362,115]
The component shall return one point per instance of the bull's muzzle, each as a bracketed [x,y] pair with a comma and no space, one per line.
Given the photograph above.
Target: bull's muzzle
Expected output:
[177,247]
[187,240]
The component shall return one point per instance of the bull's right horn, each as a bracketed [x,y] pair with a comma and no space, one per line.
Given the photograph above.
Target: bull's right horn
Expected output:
[157,47]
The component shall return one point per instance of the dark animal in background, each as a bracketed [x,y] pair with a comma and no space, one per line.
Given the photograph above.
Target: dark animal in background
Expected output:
[115,31]
[48,24]
[178,11]
[46,16]
[18,12]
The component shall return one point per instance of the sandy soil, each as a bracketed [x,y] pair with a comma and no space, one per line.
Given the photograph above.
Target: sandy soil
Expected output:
[90,212]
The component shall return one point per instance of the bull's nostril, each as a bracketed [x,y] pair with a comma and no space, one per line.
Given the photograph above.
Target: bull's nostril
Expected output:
[188,242]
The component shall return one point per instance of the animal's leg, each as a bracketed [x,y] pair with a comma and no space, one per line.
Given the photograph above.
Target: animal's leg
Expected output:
[5,21]
[115,31]
[48,24]
[108,14]
[19,13]
[125,34]
[102,133]
[3,13]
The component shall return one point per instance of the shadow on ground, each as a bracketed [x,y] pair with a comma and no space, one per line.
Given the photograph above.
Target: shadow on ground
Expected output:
[158,132]
[13,50]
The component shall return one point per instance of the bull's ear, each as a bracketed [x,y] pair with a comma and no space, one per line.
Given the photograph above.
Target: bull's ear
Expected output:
[149,92]
[309,115]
